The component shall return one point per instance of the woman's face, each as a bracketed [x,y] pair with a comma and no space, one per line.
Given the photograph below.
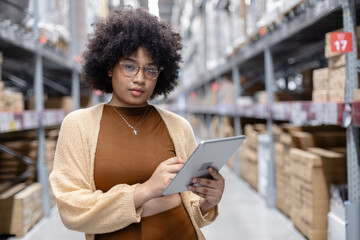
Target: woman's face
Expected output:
[136,90]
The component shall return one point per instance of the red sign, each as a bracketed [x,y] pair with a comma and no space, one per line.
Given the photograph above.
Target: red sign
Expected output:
[341,42]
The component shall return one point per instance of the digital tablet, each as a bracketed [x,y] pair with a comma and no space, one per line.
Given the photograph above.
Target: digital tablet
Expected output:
[209,153]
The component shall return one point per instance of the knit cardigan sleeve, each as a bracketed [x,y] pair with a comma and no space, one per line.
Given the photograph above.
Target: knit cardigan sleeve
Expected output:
[83,208]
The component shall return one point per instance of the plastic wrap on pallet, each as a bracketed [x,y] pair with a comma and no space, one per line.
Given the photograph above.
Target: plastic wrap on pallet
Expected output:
[336,216]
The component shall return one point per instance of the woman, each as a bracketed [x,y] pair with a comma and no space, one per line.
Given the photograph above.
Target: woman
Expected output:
[114,160]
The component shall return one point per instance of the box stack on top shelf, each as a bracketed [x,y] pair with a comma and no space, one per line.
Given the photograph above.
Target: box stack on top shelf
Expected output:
[329,82]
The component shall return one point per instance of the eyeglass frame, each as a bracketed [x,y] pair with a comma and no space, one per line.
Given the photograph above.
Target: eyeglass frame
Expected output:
[138,70]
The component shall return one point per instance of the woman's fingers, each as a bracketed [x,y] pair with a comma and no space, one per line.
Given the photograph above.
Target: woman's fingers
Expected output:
[216,182]
[215,174]
[173,160]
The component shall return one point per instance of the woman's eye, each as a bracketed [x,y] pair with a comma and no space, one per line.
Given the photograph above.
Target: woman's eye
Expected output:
[130,66]
[151,70]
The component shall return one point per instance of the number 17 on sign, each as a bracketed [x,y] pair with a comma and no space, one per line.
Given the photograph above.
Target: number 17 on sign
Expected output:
[341,42]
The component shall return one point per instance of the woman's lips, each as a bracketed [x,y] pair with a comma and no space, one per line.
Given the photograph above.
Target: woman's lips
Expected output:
[136,92]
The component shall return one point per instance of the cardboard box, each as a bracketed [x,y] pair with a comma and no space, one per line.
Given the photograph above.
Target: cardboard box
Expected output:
[302,139]
[328,53]
[23,211]
[330,139]
[321,84]
[321,74]
[249,165]
[313,172]
[65,103]
[356,95]
[13,101]
[320,96]
[337,61]
[337,78]
[336,95]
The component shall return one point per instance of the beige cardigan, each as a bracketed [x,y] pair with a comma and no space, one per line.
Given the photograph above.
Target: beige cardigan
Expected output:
[85,209]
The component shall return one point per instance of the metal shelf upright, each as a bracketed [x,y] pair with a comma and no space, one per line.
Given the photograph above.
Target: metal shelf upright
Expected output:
[270,83]
[352,132]
[39,107]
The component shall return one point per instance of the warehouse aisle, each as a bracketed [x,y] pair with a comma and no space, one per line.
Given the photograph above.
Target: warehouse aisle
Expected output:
[243,215]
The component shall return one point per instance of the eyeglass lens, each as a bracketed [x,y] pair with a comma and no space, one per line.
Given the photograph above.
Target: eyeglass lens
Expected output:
[131,69]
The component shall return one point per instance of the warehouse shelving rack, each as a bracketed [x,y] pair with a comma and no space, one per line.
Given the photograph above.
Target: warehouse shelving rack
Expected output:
[302,26]
[38,59]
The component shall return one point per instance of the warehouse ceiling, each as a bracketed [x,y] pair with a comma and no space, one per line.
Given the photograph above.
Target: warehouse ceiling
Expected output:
[165,8]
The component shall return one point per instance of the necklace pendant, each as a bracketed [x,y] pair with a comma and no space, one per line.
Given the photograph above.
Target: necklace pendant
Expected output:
[134,131]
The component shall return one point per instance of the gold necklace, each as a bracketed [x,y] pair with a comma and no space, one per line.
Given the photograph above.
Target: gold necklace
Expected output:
[135,132]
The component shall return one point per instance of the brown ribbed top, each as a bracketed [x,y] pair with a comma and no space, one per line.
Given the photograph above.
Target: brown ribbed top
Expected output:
[122,157]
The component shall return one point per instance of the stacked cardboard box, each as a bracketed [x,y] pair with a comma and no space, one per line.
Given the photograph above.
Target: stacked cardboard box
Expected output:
[226,92]
[329,83]
[10,167]
[248,154]
[313,172]
[356,95]
[227,130]
[320,85]
[328,53]
[337,71]
[9,99]
[13,101]
[21,209]
[283,172]
[214,128]
[301,138]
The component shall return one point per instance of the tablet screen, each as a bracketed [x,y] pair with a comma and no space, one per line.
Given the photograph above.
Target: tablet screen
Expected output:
[211,153]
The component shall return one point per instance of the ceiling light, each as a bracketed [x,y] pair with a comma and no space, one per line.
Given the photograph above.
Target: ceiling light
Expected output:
[154,7]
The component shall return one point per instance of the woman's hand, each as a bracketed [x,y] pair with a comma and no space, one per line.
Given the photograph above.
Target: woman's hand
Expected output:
[159,180]
[210,191]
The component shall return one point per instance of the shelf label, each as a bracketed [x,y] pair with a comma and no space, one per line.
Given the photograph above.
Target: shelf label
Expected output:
[13,126]
[341,42]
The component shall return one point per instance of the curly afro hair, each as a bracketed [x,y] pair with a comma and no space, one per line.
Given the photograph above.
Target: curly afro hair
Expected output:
[121,34]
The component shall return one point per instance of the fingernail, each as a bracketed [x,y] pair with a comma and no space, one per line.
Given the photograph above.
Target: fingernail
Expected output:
[189,188]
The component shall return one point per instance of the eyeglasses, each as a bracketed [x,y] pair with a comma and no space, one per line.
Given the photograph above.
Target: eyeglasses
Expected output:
[131,69]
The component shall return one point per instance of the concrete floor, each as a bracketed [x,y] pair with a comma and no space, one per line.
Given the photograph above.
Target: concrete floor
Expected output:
[242,215]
